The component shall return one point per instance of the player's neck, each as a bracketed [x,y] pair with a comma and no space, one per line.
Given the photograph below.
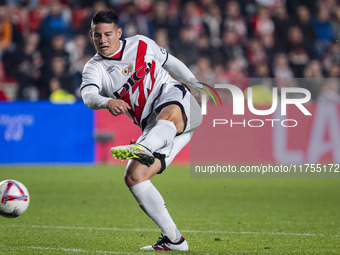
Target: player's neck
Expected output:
[117,51]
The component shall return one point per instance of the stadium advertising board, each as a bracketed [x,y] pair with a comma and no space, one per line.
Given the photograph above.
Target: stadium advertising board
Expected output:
[301,140]
[42,132]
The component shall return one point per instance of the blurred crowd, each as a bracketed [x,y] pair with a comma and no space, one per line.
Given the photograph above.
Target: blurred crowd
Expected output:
[44,44]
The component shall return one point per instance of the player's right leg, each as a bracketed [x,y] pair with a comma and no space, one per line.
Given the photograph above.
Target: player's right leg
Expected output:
[137,178]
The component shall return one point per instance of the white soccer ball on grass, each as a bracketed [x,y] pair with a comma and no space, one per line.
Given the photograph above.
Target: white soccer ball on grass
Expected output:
[14,198]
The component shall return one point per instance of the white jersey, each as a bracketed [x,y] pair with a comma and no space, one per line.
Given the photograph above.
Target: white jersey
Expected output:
[134,74]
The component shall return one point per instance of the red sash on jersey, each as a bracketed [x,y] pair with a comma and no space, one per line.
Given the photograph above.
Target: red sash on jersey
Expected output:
[136,80]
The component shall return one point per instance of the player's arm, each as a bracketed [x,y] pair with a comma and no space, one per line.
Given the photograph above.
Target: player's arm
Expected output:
[180,71]
[173,65]
[95,101]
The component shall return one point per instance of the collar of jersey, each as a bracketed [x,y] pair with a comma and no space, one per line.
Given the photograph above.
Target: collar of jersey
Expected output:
[119,57]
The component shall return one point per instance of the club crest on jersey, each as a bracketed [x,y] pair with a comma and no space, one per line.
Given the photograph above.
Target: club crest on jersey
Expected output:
[127,71]
[134,79]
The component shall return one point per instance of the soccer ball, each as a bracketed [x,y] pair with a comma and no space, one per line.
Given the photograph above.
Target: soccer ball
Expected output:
[14,198]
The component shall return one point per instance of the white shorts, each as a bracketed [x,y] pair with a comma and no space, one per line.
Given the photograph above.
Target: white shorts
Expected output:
[180,95]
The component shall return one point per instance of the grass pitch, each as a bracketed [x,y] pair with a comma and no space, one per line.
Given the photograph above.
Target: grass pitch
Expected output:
[88,210]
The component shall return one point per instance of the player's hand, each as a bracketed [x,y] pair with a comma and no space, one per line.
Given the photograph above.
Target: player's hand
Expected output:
[117,106]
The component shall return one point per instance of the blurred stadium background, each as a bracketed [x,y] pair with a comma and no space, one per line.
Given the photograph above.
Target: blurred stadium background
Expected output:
[44,45]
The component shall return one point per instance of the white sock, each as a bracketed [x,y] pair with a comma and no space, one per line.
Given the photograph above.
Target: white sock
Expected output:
[162,134]
[152,203]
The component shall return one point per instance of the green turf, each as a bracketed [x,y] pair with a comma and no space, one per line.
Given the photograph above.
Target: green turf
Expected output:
[88,210]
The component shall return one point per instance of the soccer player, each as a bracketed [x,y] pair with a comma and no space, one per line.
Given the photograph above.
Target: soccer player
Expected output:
[131,76]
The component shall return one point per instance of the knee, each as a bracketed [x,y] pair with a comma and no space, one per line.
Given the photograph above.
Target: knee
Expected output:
[136,172]
[132,179]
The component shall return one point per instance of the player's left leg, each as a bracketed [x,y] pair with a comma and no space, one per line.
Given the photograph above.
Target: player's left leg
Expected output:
[170,122]
[176,112]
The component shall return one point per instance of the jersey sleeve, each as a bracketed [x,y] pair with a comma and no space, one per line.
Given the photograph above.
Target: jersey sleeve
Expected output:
[162,54]
[91,76]
[158,52]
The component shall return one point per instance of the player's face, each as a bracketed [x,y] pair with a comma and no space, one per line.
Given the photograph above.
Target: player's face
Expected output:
[105,37]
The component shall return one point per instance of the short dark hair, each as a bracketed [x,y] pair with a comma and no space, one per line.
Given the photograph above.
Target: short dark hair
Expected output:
[105,16]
